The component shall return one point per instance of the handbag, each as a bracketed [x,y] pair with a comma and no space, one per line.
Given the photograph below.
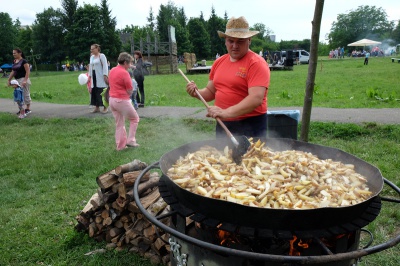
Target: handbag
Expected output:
[106,96]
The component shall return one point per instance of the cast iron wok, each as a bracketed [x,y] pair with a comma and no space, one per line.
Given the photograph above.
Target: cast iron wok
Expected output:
[277,219]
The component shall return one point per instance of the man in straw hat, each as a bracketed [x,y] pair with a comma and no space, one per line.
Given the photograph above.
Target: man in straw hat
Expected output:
[238,83]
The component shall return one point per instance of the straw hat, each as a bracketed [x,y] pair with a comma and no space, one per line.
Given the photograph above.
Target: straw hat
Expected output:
[237,28]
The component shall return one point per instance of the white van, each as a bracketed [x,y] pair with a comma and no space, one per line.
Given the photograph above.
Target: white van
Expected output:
[302,55]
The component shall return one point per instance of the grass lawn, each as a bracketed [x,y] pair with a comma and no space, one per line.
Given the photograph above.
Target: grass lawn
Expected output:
[343,83]
[48,167]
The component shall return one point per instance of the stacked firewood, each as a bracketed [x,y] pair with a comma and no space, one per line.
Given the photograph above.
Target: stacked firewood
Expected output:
[112,215]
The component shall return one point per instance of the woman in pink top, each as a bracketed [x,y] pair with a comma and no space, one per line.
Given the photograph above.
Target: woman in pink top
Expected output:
[121,104]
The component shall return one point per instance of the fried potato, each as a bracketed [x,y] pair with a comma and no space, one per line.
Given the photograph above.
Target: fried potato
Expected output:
[288,179]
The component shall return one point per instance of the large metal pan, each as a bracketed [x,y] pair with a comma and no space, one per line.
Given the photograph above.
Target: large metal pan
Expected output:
[277,219]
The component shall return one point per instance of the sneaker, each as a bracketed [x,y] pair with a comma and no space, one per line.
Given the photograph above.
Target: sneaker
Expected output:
[19,112]
[132,145]
[21,116]
[27,111]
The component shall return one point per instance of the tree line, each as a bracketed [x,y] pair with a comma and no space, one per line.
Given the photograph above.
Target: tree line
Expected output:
[65,34]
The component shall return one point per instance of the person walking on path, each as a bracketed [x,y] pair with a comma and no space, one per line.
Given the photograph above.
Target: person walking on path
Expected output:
[238,83]
[21,71]
[98,76]
[121,104]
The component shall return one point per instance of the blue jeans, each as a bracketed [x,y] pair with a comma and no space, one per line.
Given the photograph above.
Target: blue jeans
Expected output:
[133,98]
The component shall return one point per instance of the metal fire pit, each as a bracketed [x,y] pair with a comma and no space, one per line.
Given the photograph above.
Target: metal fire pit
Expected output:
[178,237]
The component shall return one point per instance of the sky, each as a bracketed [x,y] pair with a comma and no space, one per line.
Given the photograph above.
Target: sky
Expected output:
[288,19]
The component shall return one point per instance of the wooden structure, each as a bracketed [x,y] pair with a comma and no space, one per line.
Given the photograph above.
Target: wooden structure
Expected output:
[192,65]
[163,55]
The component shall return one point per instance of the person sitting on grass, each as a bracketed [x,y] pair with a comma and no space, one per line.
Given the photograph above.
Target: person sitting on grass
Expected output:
[18,97]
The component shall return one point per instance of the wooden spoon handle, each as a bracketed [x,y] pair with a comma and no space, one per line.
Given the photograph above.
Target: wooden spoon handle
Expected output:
[217,118]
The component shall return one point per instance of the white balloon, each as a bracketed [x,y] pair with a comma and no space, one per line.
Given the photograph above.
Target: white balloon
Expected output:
[82,79]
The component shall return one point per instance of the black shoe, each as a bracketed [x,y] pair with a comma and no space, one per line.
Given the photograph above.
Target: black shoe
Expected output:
[27,111]
[140,105]
[18,112]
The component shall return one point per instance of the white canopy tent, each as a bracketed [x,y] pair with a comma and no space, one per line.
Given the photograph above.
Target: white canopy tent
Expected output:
[364,42]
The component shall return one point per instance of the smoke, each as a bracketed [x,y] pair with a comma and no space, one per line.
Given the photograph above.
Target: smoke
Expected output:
[387,47]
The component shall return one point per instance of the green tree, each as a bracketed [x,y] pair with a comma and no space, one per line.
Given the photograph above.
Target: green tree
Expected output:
[111,42]
[8,37]
[150,20]
[364,22]
[164,18]
[47,35]
[25,39]
[69,8]
[200,38]
[215,24]
[182,38]
[86,30]
[170,15]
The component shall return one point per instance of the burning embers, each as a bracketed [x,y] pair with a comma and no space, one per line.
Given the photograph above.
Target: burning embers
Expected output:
[294,246]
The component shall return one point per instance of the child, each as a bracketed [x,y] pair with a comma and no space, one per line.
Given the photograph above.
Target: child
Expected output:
[135,88]
[133,96]
[18,97]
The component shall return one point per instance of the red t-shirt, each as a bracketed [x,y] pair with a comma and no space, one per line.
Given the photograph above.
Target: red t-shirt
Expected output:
[120,83]
[233,79]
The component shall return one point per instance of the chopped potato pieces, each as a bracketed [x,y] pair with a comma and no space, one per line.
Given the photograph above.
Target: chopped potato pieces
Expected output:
[288,179]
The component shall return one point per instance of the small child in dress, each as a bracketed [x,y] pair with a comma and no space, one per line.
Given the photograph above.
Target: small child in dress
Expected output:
[18,97]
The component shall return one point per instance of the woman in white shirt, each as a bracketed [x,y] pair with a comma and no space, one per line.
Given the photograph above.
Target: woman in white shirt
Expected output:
[98,76]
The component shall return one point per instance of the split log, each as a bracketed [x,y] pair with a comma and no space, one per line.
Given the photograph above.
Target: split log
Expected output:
[119,224]
[107,221]
[96,201]
[128,179]
[83,223]
[115,232]
[105,214]
[107,180]
[166,259]
[157,207]
[153,182]
[98,219]
[88,209]
[159,244]
[150,233]
[109,196]
[93,229]
[146,201]
[130,235]
[140,225]
[119,204]
[135,165]
[153,257]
